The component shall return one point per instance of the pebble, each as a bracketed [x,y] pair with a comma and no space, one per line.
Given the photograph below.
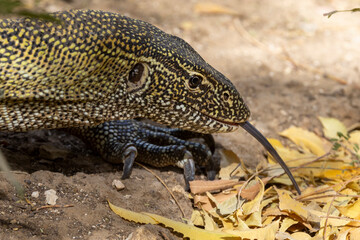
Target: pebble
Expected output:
[35,194]
[51,197]
[118,185]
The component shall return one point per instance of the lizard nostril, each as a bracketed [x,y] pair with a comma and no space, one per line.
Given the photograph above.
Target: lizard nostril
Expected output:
[226,96]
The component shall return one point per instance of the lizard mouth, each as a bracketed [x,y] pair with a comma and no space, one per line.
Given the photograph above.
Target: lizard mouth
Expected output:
[233,124]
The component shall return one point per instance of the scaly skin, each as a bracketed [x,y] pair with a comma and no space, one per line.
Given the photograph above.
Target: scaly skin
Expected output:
[77,73]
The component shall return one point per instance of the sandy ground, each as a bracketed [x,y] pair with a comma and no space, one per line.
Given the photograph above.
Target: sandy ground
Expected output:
[286,59]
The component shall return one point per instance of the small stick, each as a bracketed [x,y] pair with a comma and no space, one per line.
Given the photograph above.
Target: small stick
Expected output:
[164,184]
[54,206]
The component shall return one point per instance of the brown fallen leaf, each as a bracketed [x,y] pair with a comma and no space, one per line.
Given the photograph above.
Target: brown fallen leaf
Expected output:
[202,186]
[250,192]
[203,201]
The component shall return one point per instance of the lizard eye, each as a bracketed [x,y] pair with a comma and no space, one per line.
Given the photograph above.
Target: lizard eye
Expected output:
[137,77]
[195,81]
[136,73]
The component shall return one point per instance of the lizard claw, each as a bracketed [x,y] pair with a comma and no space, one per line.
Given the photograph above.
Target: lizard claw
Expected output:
[128,158]
[189,169]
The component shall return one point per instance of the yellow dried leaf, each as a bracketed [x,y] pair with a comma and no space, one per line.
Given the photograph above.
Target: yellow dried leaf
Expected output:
[197,218]
[351,210]
[254,220]
[209,223]
[306,140]
[286,203]
[265,233]
[301,236]
[331,127]
[286,223]
[355,137]
[228,206]
[132,216]
[343,234]
[229,161]
[213,8]
[268,220]
[337,222]
[241,225]
[188,231]
[354,234]
[254,205]
[352,189]
[289,154]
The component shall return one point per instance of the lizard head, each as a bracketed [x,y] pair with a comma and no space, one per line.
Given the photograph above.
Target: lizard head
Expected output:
[179,88]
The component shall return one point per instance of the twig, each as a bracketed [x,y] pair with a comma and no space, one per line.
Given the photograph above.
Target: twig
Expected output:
[331,195]
[329,14]
[164,184]
[54,206]
[342,218]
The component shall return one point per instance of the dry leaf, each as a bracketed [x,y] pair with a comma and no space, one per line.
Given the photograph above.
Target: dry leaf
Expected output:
[251,191]
[197,218]
[204,202]
[265,233]
[213,8]
[306,140]
[229,161]
[188,231]
[228,206]
[290,205]
[303,236]
[286,223]
[132,216]
[292,157]
[254,205]
[351,210]
[355,137]
[202,186]
[331,127]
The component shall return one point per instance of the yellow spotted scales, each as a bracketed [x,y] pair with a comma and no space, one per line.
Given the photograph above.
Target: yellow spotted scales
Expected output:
[76,73]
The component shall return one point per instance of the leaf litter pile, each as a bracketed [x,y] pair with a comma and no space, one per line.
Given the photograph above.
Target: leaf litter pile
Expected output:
[264,205]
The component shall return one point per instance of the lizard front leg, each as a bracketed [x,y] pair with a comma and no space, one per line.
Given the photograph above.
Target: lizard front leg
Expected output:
[123,141]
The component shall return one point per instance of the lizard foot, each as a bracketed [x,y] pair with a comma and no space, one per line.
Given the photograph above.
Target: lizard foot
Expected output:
[127,140]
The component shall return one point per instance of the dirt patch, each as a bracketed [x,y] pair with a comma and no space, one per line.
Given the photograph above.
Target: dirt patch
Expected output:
[256,50]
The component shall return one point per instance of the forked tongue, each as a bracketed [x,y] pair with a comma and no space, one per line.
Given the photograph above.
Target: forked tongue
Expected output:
[256,134]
